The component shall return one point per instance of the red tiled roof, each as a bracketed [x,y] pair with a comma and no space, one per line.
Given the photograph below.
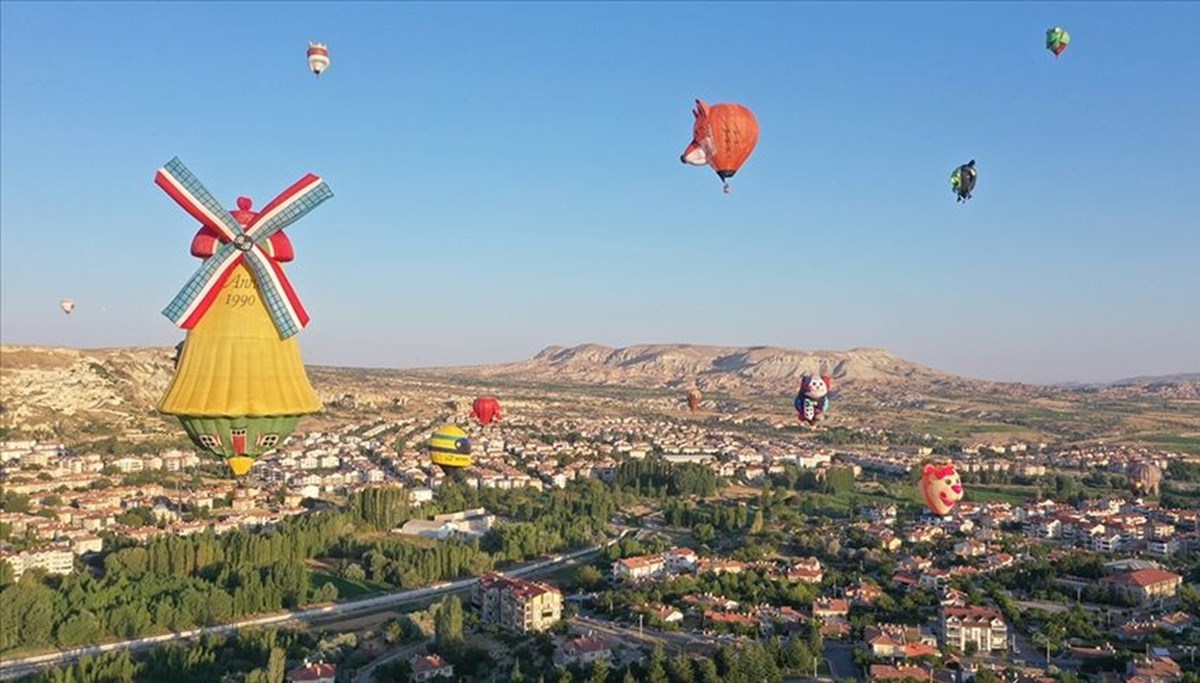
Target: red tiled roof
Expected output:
[313,672]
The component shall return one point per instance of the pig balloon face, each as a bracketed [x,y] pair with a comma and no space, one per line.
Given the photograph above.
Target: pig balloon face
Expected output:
[941,488]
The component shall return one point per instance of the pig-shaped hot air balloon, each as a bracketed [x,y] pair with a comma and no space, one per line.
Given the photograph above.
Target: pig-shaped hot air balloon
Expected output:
[813,398]
[723,136]
[941,488]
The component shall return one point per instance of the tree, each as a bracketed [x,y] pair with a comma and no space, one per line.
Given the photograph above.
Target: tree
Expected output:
[756,527]
[599,672]
[328,592]
[656,670]
[448,624]
[589,578]
[708,672]
[984,675]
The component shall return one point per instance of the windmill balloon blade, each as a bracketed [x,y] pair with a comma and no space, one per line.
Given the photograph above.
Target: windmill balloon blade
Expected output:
[271,287]
[290,206]
[202,285]
[186,189]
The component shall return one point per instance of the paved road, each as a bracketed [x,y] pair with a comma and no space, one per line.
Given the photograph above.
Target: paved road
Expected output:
[840,657]
[17,668]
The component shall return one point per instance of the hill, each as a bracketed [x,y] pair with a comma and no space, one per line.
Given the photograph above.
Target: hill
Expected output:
[727,369]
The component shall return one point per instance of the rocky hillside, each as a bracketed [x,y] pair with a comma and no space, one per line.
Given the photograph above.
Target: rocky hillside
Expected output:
[716,367]
[44,387]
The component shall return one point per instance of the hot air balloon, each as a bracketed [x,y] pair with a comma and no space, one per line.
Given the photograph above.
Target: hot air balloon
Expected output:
[239,386]
[1057,40]
[962,180]
[486,409]
[723,136]
[67,305]
[941,488]
[318,57]
[812,400]
[1145,478]
[449,448]
[693,399]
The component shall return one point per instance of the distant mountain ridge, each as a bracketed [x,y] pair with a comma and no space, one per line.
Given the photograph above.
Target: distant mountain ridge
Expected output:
[716,367]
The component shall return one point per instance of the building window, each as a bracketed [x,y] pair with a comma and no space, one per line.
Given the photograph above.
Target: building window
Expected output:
[210,441]
[267,440]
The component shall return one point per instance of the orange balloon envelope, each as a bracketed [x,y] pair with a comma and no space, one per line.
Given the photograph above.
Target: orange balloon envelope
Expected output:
[693,399]
[941,488]
[486,409]
[723,137]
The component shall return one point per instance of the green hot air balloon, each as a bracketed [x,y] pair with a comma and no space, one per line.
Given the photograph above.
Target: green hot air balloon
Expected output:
[1057,40]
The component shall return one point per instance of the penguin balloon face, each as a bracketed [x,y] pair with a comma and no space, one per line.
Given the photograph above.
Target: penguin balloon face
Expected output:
[815,386]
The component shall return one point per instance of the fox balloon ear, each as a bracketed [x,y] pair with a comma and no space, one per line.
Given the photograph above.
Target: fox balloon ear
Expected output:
[701,107]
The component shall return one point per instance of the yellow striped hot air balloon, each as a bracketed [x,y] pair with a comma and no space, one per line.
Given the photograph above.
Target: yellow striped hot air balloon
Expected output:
[449,448]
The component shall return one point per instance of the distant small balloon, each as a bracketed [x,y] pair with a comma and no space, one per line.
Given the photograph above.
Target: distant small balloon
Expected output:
[318,57]
[67,305]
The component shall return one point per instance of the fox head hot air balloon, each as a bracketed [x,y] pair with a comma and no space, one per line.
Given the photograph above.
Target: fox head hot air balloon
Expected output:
[693,399]
[239,386]
[1057,40]
[941,488]
[962,181]
[318,58]
[449,448]
[723,136]
[67,305]
[812,400]
[486,409]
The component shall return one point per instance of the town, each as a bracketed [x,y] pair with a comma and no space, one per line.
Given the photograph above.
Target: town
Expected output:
[724,548]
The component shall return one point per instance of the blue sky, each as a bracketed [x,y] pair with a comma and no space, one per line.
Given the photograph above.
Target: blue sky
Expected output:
[507,176]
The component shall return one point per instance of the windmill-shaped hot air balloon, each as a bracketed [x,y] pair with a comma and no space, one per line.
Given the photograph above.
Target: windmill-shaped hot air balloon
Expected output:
[239,387]
[318,57]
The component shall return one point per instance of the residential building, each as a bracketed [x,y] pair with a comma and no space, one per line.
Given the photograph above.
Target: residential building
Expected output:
[313,672]
[637,568]
[516,604]
[584,650]
[430,667]
[982,626]
[1146,584]
[53,560]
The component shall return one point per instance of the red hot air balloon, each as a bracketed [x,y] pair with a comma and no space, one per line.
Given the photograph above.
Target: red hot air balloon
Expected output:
[723,137]
[486,409]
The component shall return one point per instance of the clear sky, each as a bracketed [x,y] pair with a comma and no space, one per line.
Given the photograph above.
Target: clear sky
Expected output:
[507,176]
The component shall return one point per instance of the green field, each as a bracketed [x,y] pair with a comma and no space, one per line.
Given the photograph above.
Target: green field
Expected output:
[1189,444]
[346,588]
